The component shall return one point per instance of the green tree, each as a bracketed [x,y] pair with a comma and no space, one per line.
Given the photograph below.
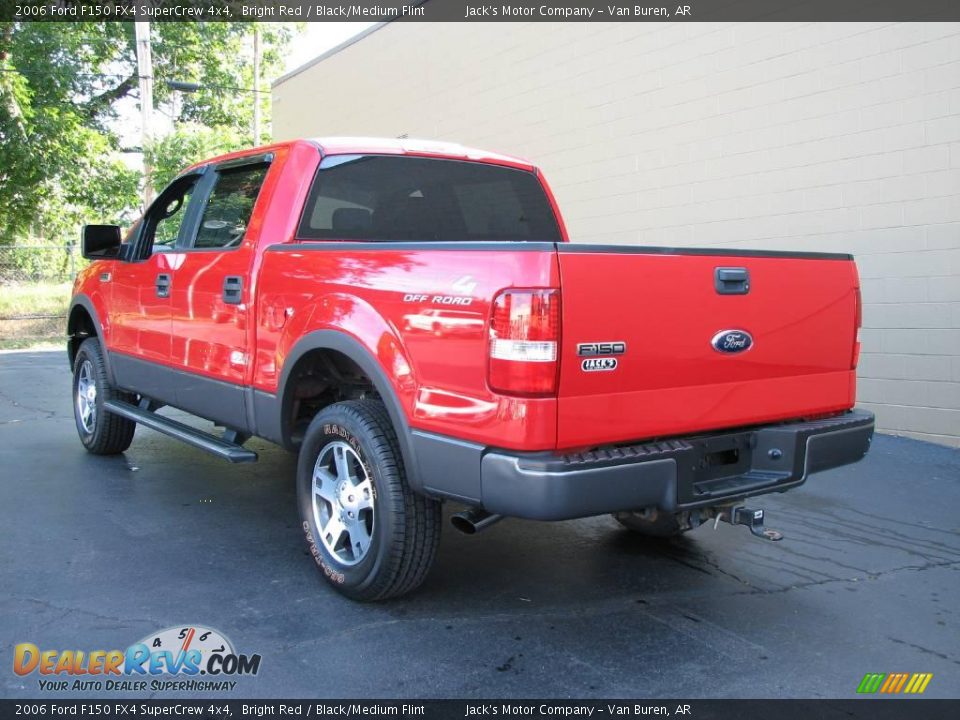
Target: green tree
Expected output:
[60,89]
[187,144]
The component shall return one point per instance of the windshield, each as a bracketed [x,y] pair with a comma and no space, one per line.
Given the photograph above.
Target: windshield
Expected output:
[384,198]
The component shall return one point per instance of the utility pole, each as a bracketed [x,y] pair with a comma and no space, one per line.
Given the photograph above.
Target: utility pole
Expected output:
[145,72]
[256,84]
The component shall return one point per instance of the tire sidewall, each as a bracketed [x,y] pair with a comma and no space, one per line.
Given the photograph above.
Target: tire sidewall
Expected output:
[340,425]
[84,354]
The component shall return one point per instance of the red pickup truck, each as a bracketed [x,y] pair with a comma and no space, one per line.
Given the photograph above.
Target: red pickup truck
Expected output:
[412,318]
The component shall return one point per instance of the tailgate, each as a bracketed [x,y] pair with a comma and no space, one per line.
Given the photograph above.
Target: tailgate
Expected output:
[655,344]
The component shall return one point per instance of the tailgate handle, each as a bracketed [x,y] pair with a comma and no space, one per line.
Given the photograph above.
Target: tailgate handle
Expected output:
[731,280]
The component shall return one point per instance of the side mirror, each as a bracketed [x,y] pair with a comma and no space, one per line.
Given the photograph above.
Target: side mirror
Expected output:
[101,242]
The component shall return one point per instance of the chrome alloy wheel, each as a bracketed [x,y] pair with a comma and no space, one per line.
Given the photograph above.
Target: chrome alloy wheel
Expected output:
[87,397]
[343,503]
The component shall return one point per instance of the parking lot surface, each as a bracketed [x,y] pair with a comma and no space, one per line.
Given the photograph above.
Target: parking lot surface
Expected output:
[97,553]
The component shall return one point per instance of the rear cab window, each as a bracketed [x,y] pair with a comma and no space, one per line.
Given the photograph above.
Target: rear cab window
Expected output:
[401,198]
[229,206]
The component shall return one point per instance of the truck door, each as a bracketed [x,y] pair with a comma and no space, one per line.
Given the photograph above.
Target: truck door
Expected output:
[211,305]
[140,288]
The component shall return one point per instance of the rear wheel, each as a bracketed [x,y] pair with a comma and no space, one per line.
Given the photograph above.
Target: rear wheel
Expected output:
[370,534]
[654,523]
[101,433]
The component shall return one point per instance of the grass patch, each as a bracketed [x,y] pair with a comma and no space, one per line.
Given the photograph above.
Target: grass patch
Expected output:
[32,343]
[33,314]
[41,298]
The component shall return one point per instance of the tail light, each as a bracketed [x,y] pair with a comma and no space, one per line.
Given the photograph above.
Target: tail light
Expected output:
[858,321]
[525,342]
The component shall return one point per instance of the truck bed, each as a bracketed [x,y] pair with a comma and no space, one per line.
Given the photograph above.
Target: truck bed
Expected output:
[661,307]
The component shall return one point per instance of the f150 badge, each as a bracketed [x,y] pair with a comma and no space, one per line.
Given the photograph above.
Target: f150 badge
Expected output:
[732,341]
[599,349]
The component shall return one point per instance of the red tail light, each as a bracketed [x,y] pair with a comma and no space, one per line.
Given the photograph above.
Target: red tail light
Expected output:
[858,321]
[525,342]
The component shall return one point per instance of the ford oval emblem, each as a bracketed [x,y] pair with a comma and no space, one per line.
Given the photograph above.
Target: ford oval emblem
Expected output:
[732,341]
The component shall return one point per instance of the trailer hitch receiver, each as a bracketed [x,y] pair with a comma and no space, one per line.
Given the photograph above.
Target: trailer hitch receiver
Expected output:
[753,519]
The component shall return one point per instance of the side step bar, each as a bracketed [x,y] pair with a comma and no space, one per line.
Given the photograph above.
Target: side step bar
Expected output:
[198,438]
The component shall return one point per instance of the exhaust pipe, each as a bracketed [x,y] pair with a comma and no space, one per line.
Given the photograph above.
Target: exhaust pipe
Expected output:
[474,520]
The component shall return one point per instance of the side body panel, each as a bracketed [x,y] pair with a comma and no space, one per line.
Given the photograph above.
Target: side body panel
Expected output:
[139,317]
[90,296]
[421,311]
[211,311]
[209,337]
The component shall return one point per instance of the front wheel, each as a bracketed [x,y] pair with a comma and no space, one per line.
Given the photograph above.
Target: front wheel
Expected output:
[101,432]
[370,534]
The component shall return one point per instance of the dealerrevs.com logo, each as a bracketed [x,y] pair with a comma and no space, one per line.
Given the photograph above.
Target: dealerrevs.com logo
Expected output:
[187,658]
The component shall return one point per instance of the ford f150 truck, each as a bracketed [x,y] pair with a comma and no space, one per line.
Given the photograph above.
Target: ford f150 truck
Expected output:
[413,319]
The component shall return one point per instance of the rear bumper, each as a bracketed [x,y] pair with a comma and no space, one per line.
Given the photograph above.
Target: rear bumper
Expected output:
[671,475]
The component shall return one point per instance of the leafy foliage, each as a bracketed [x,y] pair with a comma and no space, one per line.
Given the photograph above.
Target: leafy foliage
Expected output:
[187,144]
[61,89]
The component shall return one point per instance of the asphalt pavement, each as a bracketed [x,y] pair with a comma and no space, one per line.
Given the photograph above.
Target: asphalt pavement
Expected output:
[97,553]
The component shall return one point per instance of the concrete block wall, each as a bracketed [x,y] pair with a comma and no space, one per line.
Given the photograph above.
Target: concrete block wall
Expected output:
[836,137]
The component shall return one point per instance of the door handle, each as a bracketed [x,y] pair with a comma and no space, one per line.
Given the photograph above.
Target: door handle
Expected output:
[731,280]
[233,289]
[163,285]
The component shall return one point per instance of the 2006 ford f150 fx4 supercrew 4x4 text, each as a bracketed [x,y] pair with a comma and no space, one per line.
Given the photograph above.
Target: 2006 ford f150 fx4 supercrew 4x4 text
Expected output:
[412,318]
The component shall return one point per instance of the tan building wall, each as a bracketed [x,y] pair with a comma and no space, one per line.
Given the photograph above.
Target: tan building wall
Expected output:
[836,137]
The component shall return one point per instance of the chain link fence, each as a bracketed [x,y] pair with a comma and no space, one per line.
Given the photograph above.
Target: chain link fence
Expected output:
[35,283]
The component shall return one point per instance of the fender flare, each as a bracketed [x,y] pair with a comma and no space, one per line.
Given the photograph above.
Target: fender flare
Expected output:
[358,353]
[83,301]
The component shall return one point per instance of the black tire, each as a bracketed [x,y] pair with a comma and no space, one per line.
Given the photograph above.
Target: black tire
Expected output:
[405,526]
[653,523]
[107,434]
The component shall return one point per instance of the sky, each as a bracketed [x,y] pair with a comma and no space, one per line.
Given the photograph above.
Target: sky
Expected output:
[317,38]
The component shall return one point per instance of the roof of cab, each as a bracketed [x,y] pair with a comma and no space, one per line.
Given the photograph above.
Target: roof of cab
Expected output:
[382,146]
[412,146]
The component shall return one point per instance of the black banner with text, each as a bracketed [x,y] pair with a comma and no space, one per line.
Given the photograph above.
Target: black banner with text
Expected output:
[479,10]
[880,709]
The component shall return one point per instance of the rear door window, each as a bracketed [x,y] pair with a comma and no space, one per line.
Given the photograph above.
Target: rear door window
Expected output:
[402,198]
[229,207]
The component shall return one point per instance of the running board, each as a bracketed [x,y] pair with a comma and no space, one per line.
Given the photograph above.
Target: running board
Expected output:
[198,438]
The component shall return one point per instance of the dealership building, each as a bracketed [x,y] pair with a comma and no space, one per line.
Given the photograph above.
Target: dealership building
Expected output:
[838,137]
